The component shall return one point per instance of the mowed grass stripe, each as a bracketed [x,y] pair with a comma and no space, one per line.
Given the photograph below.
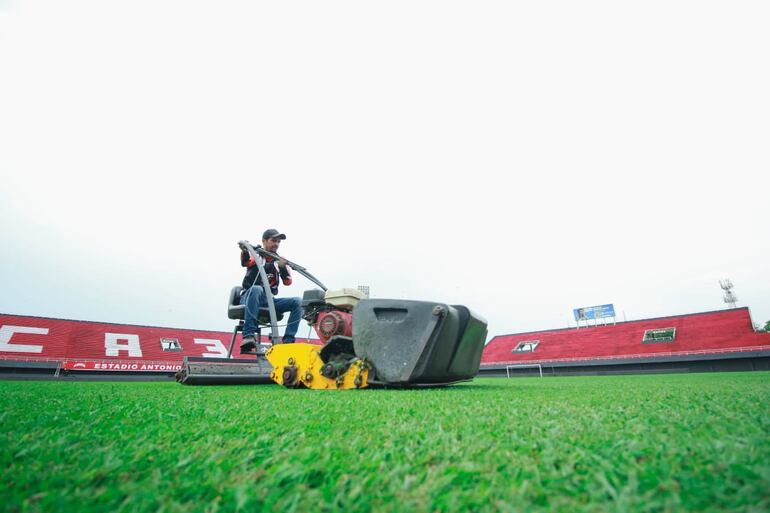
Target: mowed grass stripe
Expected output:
[688,442]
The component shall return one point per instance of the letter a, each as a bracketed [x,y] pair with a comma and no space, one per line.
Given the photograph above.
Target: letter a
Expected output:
[116,342]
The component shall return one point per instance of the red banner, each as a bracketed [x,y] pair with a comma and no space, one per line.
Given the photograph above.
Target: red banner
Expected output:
[122,366]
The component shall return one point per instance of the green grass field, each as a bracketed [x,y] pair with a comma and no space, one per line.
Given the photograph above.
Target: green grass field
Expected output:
[698,442]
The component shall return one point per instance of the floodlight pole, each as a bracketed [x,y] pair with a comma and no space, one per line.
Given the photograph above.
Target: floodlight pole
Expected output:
[729,296]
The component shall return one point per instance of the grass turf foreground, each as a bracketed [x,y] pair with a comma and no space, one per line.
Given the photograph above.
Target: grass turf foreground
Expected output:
[631,443]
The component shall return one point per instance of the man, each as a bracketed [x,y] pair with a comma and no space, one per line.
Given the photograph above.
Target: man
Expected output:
[253,295]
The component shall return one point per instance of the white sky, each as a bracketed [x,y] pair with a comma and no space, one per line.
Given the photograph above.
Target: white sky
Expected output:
[521,158]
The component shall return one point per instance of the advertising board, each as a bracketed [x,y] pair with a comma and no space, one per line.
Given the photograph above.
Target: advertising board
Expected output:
[594,312]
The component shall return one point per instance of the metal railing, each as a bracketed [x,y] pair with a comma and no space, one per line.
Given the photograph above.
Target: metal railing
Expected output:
[640,355]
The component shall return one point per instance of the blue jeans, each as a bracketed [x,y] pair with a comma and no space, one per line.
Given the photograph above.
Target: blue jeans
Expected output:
[255,297]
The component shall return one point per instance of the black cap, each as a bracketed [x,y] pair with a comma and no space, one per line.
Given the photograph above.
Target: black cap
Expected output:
[272,233]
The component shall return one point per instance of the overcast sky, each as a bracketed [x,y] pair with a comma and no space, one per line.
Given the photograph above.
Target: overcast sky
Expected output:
[522,158]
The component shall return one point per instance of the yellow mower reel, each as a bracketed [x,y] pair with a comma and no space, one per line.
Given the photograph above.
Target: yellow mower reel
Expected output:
[299,365]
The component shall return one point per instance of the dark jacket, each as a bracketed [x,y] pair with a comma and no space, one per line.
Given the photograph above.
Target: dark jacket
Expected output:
[271,270]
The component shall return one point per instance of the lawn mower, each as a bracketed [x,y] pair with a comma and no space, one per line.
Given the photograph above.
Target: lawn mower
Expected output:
[365,342]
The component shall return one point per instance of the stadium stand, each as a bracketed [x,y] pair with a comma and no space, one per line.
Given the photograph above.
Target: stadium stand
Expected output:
[42,346]
[708,341]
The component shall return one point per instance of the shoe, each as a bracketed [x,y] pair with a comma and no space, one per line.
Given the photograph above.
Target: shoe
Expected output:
[248,345]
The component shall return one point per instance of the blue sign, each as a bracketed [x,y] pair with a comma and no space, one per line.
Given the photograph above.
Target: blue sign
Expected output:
[594,312]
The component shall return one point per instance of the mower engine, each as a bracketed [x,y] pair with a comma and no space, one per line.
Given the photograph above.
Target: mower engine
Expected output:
[330,312]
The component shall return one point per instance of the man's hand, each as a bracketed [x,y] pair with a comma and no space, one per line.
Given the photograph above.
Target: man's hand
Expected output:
[282,263]
[243,244]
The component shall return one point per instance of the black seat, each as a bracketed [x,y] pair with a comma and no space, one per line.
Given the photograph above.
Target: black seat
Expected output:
[236,311]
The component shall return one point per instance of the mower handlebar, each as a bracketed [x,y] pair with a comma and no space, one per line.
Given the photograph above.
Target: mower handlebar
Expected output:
[245,245]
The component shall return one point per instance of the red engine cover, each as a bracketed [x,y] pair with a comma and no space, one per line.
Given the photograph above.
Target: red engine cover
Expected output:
[334,323]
